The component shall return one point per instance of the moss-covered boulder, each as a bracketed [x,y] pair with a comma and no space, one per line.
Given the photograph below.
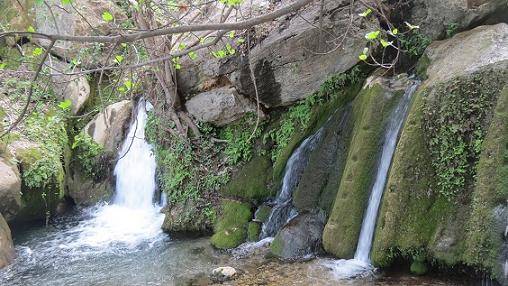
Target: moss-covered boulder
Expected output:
[447,183]
[231,226]
[371,109]
[252,182]
[189,218]
[253,231]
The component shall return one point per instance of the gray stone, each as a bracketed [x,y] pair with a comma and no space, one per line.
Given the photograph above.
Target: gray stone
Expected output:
[300,238]
[6,247]
[219,106]
[10,189]
[225,273]
[435,16]
[108,127]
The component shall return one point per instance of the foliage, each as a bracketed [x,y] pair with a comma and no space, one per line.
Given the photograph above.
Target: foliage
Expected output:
[298,117]
[414,44]
[87,152]
[451,29]
[456,115]
[240,139]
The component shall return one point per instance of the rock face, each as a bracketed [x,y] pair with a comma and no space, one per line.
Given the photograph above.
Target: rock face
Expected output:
[10,189]
[370,112]
[6,246]
[182,219]
[451,216]
[107,129]
[435,17]
[69,87]
[285,64]
[300,238]
[219,106]
[85,191]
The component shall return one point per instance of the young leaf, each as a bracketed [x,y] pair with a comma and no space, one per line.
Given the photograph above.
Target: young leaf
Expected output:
[385,43]
[30,29]
[66,2]
[193,55]
[362,57]
[231,34]
[395,31]
[39,2]
[106,16]
[2,66]
[372,35]
[118,59]
[365,13]
[37,52]
[65,105]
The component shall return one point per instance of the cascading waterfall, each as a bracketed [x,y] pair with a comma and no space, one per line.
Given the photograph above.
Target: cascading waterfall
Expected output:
[360,265]
[132,217]
[283,210]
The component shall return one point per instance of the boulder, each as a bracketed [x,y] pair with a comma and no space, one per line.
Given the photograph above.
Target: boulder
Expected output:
[69,87]
[300,238]
[10,189]
[108,127]
[466,53]
[286,59]
[435,17]
[6,246]
[222,274]
[219,106]
[186,218]
[86,191]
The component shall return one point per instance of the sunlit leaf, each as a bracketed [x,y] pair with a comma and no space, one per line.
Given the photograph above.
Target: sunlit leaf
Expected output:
[37,52]
[362,57]
[30,29]
[193,55]
[118,59]
[395,31]
[65,105]
[231,34]
[2,66]
[372,35]
[106,16]
[365,13]
[385,43]
[66,2]
[128,84]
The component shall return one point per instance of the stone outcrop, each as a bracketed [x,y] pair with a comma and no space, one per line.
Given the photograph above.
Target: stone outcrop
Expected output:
[108,127]
[69,87]
[10,189]
[435,17]
[6,246]
[219,106]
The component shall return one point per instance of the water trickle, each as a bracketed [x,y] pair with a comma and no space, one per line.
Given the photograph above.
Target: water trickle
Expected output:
[283,210]
[360,265]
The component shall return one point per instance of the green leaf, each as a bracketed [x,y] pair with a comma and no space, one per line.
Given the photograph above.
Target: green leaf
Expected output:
[176,63]
[39,2]
[231,34]
[362,57]
[385,43]
[106,16]
[30,29]
[365,13]
[193,55]
[372,35]
[65,105]
[240,41]
[66,2]
[37,52]
[128,84]
[2,66]
[395,31]
[118,59]
[182,46]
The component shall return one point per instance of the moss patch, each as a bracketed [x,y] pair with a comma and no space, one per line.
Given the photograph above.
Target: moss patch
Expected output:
[371,109]
[253,231]
[262,213]
[252,181]
[231,227]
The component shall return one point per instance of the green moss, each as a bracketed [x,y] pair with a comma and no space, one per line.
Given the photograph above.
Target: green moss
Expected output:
[371,109]
[277,246]
[231,227]
[262,213]
[421,67]
[483,240]
[418,268]
[251,182]
[253,231]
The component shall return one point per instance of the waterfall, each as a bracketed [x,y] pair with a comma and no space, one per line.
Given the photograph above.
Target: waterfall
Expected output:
[283,210]
[390,141]
[132,218]
[360,265]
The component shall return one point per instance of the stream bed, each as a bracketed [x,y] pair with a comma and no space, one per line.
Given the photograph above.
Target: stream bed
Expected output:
[55,255]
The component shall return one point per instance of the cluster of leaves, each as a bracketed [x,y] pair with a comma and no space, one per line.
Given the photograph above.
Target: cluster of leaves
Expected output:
[298,117]
[240,139]
[87,152]
[48,130]
[414,44]
[455,123]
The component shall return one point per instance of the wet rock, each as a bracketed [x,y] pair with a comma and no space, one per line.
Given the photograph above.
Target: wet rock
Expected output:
[185,219]
[108,127]
[219,106]
[300,238]
[435,17]
[10,189]
[6,246]
[224,273]
[85,191]
[69,87]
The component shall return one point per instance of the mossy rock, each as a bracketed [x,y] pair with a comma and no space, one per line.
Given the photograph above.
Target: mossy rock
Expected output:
[252,181]
[371,109]
[253,231]
[231,227]
[263,213]
[28,156]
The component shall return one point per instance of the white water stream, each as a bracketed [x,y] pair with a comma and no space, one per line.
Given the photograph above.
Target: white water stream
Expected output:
[360,265]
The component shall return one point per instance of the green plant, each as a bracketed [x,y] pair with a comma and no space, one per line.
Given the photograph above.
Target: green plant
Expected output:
[240,139]
[451,29]
[415,43]
[87,152]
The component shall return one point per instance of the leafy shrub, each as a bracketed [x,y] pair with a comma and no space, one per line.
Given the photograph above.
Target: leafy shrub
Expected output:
[87,152]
